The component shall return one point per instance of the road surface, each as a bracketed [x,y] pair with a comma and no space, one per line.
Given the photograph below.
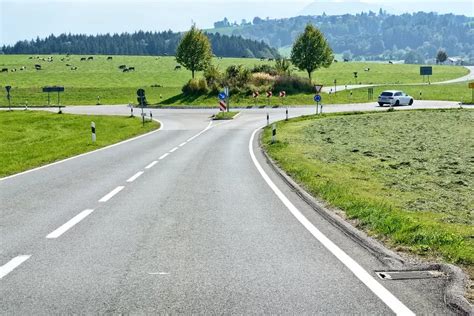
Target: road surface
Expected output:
[188,219]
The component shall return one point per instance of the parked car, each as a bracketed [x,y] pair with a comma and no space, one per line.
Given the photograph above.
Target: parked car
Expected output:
[395,97]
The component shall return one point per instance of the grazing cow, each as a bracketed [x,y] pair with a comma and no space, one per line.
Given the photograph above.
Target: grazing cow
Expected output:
[31,57]
[74,68]
[346,60]
[390,62]
[109,58]
[38,67]
[62,59]
[177,67]
[131,68]
[122,66]
[335,60]
[90,58]
[23,68]
[270,59]
[13,70]
[125,70]
[262,58]
[4,70]
[243,56]
[83,58]
[68,65]
[367,69]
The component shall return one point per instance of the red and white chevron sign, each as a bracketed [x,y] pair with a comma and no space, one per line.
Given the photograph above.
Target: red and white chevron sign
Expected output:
[269,94]
[282,94]
[222,105]
[255,94]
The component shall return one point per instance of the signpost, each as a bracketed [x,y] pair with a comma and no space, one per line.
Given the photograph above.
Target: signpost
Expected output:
[269,95]
[255,95]
[426,71]
[8,97]
[222,101]
[317,97]
[141,100]
[471,86]
[57,89]
[282,96]
[335,85]
[227,97]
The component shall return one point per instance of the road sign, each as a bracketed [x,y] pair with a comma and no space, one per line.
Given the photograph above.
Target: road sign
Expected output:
[426,71]
[269,94]
[222,105]
[255,94]
[282,94]
[141,92]
[318,87]
[53,89]
[317,98]
[226,91]
[222,96]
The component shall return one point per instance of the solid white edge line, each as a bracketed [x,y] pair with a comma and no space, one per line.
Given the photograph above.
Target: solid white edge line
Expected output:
[12,264]
[182,144]
[85,154]
[174,149]
[151,164]
[163,156]
[109,195]
[381,292]
[135,176]
[69,224]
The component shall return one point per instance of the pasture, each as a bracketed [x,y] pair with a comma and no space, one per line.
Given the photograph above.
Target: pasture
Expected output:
[34,138]
[87,79]
[415,193]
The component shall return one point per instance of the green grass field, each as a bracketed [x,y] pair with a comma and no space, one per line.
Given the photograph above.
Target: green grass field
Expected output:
[33,138]
[406,177]
[102,78]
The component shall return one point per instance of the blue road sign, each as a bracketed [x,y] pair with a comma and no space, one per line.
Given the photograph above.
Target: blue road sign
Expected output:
[222,96]
[317,98]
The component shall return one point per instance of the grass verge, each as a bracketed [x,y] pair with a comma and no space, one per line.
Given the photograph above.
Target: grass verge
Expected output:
[33,138]
[405,177]
[225,115]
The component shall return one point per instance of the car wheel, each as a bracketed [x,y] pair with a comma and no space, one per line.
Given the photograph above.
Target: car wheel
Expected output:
[380,104]
[397,103]
[411,102]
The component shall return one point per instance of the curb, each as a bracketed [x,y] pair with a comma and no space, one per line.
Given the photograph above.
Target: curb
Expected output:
[456,282]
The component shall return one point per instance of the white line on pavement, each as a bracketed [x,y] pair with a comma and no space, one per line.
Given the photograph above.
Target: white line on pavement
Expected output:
[388,298]
[69,224]
[12,264]
[182,144]
[174,149]
[150,165]
[111,194]
[163,156]
[135,176]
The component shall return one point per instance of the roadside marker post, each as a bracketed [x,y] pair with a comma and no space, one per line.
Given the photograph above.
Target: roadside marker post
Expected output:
[268,119]
[227,98]
[286,114]
[8,97]
[255,95]
[335,85]
[93,132]
[471,86]
[269,96]
[274,132]
[420,95]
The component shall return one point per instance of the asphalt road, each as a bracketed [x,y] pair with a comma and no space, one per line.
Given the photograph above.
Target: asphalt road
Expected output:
[188,219]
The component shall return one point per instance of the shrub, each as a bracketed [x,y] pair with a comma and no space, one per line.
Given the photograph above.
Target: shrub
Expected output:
[213,78]
[196,86]
[293,84]
[265,68]
[237,77]
[262,78]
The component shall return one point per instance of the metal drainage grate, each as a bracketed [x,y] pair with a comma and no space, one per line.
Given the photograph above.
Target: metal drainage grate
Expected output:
[408,275]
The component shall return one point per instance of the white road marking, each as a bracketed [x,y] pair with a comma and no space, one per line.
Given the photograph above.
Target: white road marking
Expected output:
[190,139]
[174,149]
[85,154]
[388,298]
[135,176]
[182,144]
[164,156]
[151,164]
[12,264]
[111,194]
[73,221]
[158,273]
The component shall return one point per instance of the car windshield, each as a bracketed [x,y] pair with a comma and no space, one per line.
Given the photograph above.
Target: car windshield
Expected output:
[386,94]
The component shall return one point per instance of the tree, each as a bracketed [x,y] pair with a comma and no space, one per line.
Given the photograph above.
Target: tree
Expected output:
[311,51]
[194,51]
[441,56]
[282,66]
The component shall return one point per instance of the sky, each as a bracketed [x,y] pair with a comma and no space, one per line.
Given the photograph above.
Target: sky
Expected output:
[27,19]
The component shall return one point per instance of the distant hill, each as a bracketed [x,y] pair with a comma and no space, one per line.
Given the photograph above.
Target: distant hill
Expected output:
[138,43]
[370,36]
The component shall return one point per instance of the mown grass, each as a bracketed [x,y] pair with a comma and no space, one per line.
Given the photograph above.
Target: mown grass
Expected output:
[406,177]
[32,138]
[102,77]
[225,115]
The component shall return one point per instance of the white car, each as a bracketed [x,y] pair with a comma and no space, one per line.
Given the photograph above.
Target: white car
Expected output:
[394,97]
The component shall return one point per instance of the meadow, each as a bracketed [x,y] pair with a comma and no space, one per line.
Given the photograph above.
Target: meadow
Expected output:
[101,81]
[406,177]
[34,138]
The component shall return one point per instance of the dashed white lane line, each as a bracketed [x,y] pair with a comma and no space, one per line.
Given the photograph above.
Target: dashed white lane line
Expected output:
[164,156]
[174,149]
[135,176]
[151,164]
[12,264]
[182,144]
[111,194]
[69,224]
[388,298]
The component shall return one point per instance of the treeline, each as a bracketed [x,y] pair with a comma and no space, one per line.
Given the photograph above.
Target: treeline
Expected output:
[138,43]
[373,35]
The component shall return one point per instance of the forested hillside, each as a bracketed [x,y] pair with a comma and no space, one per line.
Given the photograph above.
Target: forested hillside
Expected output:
[139,43]
[370,35]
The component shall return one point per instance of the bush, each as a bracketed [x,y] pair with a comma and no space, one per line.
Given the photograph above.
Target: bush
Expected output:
[237,77]
[293,84]
[196,86]
[265,68]
[262,78]
[213,78]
